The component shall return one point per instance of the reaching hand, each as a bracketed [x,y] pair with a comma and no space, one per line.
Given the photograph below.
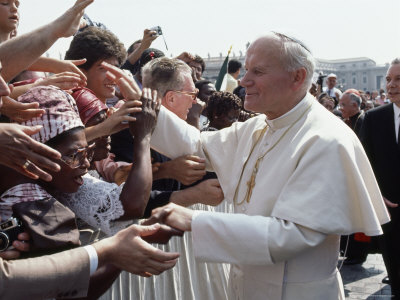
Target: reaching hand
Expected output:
[186,169]
[147,118]
[68,24]
[121,174]
[24,154]
[186,57]
[70,66]
[65,81]
[390,203]
[209,192]
[148,37]
[175,216]
[164,234]
[20,245]
[128,251]
[117,120]
[20,112]
[126,83]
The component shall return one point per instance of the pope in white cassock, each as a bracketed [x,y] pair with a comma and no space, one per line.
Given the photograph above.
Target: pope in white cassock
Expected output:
[297,175]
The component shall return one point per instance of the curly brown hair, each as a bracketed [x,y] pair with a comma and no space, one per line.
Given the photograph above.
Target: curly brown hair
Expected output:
[96,44]
[222,102]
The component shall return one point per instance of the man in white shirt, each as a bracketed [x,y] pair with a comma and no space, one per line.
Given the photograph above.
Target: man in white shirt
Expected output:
[330,89]
[277,169]
[231,78]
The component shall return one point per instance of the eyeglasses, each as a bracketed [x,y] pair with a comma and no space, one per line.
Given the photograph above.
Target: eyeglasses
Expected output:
[77,159]
[192,94]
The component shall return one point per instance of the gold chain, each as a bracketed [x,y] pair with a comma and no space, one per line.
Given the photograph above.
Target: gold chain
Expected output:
[252,182]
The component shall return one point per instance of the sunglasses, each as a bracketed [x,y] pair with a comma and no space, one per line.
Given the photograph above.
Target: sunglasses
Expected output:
[191,94]
[77,159]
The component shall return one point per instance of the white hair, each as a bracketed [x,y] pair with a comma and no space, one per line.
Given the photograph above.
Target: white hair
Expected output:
[395,61]
[295,55]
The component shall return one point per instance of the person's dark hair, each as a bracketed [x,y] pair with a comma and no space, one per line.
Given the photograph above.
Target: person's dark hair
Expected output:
[148,55]
[240,91]
[325,96]
[199,60]
[222,102]
[58,139]
[96,44]
[234,65]
[130,49]
[199,84]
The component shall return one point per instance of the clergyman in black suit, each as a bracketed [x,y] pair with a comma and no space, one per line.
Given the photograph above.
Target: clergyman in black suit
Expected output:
[380,137]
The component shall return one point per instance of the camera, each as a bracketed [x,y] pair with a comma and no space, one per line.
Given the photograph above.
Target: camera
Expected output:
[9,231]
[159,32]
[321,77]
[157,29]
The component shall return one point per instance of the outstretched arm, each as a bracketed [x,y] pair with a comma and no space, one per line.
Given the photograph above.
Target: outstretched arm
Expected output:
[148,37]
[140,177]
[20,52]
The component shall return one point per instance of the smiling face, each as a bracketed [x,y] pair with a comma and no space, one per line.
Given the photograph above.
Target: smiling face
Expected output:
[98,82]
[9,16]
[393,84]
[267,83]
[69,180]
[180,103]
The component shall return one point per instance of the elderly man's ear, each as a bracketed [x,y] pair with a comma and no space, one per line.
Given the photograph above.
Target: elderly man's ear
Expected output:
[298,78]
[169,100]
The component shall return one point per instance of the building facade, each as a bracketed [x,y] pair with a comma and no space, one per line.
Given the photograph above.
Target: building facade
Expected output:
[361,73]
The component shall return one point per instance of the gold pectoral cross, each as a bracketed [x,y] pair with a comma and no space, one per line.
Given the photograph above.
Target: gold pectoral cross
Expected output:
[252,182]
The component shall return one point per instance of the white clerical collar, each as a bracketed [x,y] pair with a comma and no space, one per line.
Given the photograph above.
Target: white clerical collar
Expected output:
[396,110]
[292,115]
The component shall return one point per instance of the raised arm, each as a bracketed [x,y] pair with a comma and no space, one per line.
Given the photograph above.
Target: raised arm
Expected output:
[148,37]
[20,52]
[140,177]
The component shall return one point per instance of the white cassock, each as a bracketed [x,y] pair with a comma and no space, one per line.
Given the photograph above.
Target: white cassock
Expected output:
[313,184]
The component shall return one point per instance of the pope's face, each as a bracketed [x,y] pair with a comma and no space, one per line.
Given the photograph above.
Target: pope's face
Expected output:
[267,83]
[393,84]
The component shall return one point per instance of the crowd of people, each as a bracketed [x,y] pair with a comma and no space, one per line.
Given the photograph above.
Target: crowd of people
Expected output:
[117,165]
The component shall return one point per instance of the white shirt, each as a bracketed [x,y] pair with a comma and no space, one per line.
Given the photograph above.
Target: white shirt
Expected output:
[396,110]
[332,92]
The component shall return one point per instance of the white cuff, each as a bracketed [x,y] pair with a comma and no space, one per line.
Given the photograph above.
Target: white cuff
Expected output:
[196,213]
[93,258]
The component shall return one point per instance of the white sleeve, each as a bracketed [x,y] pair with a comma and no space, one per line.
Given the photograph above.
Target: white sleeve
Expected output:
[97,203]
[173,137]
[253,240]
